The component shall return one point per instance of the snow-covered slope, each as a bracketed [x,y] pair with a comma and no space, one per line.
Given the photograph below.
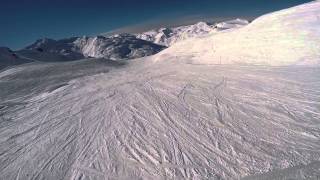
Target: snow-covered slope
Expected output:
[169,36]
[163,120]
[287,37]
[117,47]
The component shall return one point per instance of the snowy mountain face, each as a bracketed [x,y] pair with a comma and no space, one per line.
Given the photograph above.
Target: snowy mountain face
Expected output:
[118,47]
[10,58]
[63,47]
[6,53]
[174,115]
[123,46]
[49,50]
[169,36]
[287,37]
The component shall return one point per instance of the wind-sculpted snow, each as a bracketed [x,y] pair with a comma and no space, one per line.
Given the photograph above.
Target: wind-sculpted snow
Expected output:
[163,120]
[287,37]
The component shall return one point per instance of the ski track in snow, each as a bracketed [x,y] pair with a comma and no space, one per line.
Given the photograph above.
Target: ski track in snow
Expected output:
[163,120]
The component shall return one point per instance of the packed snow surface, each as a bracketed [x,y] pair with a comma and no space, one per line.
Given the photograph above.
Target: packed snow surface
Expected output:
[164,120]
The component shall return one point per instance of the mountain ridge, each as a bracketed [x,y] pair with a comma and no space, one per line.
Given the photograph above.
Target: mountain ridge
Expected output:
[122,46]
[170,36]
[283,38]
[117,47]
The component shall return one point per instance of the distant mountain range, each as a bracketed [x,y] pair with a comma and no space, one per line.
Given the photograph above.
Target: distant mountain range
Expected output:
[115,47]
[169,36]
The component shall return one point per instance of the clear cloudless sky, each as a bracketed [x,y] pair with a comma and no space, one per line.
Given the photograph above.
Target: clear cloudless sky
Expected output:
[24,21]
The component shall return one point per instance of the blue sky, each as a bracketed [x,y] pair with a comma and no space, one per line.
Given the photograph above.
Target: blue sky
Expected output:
[24,21]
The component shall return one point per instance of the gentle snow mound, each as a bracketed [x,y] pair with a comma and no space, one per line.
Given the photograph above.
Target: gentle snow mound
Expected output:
[287,37]
[236,23]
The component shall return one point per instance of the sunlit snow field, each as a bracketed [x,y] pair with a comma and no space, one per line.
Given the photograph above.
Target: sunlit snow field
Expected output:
[156,120]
